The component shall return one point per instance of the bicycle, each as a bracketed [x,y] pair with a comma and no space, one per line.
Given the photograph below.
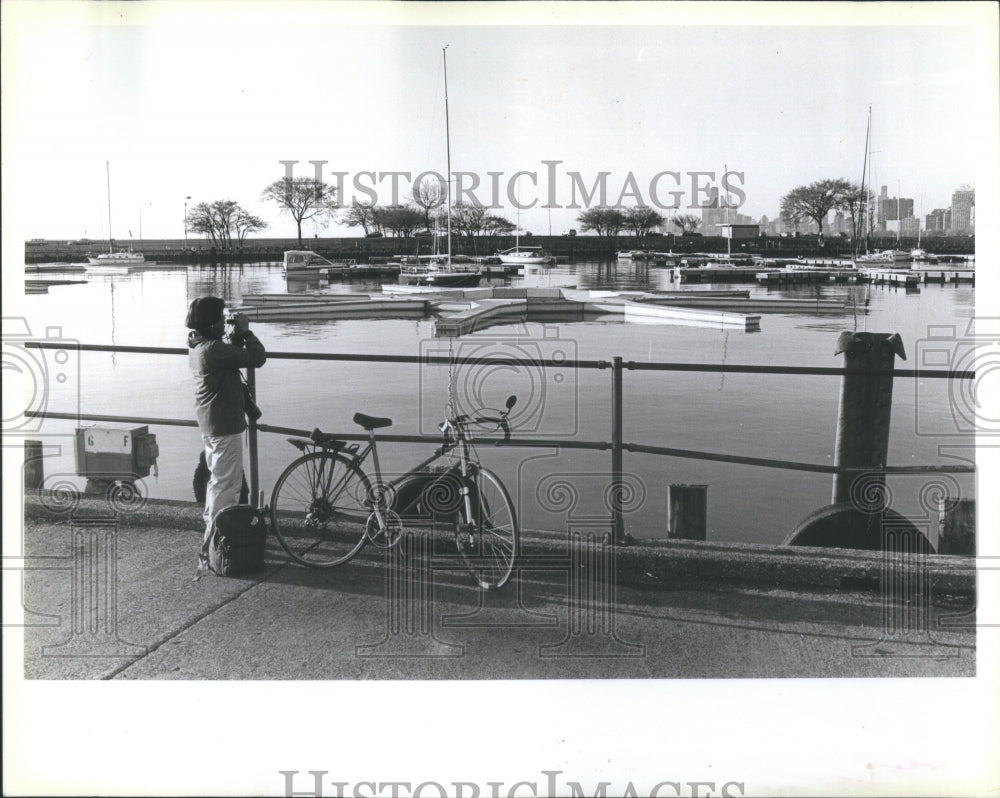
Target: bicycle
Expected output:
[325,507]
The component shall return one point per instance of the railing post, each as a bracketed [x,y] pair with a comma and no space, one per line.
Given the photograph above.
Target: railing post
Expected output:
[617,484]
[252,439]
[865,406]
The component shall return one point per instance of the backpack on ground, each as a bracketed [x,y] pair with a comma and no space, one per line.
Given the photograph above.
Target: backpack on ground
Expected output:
[236,545]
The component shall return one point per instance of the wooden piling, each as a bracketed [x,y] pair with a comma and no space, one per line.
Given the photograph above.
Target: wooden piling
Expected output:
[687,512]
[34,468]
[957,533]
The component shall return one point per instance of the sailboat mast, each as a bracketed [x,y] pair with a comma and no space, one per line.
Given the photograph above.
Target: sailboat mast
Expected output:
[864,211]
[107,172]
[447,133]
[868,190]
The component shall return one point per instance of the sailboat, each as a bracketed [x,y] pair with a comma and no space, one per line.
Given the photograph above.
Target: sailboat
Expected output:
[919,253]
[440,270]
[523,256]
[886,257]
[112,261]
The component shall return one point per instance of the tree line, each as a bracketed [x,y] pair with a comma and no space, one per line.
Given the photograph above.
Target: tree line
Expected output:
[302,198]
[814,202]
[305,199]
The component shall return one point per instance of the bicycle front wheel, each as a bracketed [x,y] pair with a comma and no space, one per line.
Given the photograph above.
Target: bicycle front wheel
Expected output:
[319,509]
[489,539]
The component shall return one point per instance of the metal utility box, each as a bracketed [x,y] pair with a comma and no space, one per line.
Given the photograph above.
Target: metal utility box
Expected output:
[111,453]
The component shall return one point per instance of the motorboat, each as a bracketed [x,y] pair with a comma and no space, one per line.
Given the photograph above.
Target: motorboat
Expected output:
[306,261]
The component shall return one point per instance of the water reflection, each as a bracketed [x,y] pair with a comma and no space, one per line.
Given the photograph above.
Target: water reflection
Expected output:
[777,416]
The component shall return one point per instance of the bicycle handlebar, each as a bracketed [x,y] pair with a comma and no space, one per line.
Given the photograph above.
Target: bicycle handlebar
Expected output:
[448,425]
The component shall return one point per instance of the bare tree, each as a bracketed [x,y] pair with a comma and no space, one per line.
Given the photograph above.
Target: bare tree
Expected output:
[428,195]
[245,222]
[640,220]
[814,201]
[360,214]
[603,221]
[468,219]
[303,198]
[402,220]
[853,200]
[221,220]
[687,222]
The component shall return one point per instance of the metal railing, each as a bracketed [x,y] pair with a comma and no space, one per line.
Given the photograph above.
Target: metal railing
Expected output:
[616,445]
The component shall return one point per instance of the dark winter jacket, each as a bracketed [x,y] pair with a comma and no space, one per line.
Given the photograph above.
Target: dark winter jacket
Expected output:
[218,390]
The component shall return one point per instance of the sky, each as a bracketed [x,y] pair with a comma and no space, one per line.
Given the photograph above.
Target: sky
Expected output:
[179,100]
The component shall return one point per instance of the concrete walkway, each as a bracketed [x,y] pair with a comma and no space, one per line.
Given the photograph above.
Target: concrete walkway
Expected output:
[116,599]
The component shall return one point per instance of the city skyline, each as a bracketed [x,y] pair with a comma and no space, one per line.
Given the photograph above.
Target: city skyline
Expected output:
[94,88]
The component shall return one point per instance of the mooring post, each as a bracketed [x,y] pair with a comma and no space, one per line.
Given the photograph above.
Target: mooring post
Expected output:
[252,438]
[865,409]
[957,534]
[617,484]
[687,512]
[34,468]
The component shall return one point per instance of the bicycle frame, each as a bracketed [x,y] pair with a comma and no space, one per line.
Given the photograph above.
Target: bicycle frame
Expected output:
[461,442]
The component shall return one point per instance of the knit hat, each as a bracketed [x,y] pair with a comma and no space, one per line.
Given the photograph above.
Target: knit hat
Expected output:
[204,312]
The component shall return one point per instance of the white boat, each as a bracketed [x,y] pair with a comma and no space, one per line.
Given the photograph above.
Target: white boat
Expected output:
[113,262]
[305,260]
[885,256]
[117,259]
[522,256]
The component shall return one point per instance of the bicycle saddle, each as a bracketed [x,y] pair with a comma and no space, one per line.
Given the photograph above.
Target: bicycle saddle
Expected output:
[371,422]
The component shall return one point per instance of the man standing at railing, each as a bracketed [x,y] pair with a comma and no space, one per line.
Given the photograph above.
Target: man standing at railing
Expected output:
[219,399]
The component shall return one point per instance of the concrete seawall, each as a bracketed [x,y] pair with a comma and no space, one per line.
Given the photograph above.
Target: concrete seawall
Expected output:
[646,564]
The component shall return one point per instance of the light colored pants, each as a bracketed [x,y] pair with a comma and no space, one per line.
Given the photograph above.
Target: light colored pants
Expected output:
[224,456]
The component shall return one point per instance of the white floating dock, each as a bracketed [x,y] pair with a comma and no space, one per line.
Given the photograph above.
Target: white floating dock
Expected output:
[365,308]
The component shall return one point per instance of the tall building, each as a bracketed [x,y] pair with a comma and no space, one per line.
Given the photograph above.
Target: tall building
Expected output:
[892,209]
[909,226]
[712,215]
[938,220]
[962,203]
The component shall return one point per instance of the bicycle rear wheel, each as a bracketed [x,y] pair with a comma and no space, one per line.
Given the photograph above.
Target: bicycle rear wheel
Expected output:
[489,541]
[319,508]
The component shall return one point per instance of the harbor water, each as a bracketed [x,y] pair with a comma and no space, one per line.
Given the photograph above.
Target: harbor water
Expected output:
[782,417]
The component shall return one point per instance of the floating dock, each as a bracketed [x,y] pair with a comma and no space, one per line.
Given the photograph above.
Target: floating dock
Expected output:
[464,310]
[506,304]
[747,305]
[793,275]
[337,307]
[890,276]
[939,274]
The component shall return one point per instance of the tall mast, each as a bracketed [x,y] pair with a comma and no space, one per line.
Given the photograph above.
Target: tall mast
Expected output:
[107,171]
[868,190]
[865,211]
[447,133]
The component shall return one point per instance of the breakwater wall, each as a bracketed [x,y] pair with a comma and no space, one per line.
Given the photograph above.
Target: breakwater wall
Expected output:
[570,248]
